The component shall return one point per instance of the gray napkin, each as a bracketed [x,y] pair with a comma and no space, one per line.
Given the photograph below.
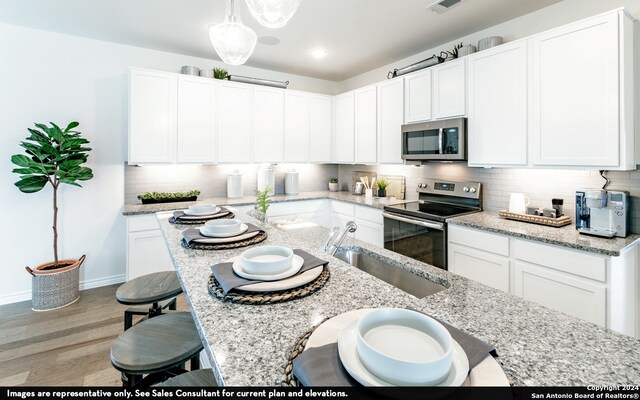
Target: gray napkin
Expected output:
[181,215]
[228,280]
[194,235]
[321,366]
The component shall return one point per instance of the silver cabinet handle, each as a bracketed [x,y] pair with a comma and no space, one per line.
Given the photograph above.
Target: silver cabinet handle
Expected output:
[433,225]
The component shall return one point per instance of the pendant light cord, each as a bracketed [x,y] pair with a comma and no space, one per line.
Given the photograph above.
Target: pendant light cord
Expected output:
[604,187]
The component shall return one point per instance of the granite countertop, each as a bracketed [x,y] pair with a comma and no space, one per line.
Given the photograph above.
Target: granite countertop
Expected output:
[248,344]
[566,236]
[348,197]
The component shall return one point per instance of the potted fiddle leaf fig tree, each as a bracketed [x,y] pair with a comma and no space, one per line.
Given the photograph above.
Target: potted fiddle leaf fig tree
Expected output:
[54,156]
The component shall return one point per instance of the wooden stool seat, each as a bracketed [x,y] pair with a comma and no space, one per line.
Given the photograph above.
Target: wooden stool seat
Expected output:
[201,377]
[155,345]
[150,288]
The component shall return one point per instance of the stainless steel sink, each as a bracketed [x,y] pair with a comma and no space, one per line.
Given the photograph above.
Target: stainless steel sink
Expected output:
[392,274]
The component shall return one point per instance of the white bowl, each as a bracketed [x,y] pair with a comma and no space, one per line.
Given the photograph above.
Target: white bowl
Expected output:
[404,347]
[223,226]
[267,260]
[199,208]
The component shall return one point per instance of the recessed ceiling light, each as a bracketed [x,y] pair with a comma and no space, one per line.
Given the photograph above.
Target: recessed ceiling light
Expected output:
[319,52]
[269,40]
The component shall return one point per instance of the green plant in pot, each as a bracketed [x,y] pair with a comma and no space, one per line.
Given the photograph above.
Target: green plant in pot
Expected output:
[333,185]
[220,73]
[54,156]
[263,201]
[382,187]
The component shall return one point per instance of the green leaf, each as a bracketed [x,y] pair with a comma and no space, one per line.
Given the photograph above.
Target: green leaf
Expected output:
[71,126]
[70,164]
[20,160]
[70,182]
[26,171]
[31,184]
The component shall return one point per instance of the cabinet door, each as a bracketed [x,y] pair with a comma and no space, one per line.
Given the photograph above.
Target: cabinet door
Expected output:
[296,127]
[417,96]
[152,116]
[147,253]
[320,128]
[365,125]
[234,122]
[571,295]
[268,124]
[390,118]
[340,220]
[497,112]
[345,140]
[575,110]
[196,120]
[369,232]
[449,89]
[481,266]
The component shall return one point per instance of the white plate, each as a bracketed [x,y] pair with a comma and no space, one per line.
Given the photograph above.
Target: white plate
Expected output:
[285,284]
[296,264]
[202,214]
[351,362]
[243,229]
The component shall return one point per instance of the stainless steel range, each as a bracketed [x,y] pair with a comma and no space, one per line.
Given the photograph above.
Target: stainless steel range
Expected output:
[418,229]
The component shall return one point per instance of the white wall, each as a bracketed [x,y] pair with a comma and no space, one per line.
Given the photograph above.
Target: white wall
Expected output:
[46,77]
[538,21]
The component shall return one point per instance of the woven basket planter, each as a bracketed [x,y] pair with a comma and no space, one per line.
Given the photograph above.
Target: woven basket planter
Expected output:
[56,288]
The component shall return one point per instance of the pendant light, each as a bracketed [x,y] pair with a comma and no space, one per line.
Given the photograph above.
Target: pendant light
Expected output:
[273,13]
[233,41]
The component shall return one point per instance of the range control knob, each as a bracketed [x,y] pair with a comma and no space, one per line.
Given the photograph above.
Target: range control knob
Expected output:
[422,185]
[465,189]
[472,190]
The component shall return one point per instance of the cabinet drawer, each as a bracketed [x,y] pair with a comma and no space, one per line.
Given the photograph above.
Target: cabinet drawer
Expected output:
[571,261]
[342,208]
[138,223]
[369,214]
[490,242]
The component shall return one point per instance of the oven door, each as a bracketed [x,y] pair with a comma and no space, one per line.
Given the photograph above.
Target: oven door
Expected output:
[422,240]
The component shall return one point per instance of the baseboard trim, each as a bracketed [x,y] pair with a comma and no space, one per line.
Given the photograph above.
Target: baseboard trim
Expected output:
[84,285]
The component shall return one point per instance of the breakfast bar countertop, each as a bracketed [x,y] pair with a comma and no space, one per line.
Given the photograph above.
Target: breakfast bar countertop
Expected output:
[248,344]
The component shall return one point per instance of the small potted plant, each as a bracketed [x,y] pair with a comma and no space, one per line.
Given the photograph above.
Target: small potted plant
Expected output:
[263,200]
[333,184]
[220,73]
[382,187]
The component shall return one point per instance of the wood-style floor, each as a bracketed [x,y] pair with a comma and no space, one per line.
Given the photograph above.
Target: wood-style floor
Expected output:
[65,347]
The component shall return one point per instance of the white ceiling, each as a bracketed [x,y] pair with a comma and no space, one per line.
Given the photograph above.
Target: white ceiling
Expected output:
[360,35]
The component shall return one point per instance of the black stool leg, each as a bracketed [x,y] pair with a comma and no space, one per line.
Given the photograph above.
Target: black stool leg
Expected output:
[195,362]
[131,379]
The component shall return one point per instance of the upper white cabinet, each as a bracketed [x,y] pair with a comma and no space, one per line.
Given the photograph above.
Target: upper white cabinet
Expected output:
[268,124]
[582,100]
[417,96]
[365,125]
[497,115]
[152,116]
[196,120]
[448,93]
[320,127]
[296,127]
[345,138]
[234,122]
[390,118]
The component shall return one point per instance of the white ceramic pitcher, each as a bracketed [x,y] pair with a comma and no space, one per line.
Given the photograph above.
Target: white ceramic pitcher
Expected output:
[518,203]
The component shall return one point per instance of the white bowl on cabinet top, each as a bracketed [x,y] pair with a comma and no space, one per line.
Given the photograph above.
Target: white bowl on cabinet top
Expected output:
[223,226]
[266,260]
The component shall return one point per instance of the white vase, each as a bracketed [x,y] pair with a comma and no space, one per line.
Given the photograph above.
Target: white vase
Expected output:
[333,187]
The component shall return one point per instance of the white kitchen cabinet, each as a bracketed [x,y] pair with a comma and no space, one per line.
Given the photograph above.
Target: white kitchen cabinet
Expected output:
[369,221]
[497,114]
[320,128]
[234,122]
[297,126]
[390,119]
[448,94]
[365,125]
[152,116]
[147,251]
[582,94]
[345,128]
[268,124]
[196,120]
[417,96]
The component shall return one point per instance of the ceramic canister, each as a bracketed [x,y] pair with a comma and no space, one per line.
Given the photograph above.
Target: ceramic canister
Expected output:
[266,176]
[291,182]
[234,185]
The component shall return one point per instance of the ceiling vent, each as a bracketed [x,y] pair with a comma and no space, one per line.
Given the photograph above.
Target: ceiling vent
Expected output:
[445,5]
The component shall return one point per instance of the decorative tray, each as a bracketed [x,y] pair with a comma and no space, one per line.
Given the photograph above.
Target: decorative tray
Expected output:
[537,219]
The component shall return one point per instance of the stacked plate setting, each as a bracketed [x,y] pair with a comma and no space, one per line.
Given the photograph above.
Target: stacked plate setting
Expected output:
[398,347]
[268,263]
[202,210]
[221,228]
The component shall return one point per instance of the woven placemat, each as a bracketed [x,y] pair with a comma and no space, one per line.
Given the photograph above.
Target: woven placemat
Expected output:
[178,221]
[288,379]
[268,297]
[224,246]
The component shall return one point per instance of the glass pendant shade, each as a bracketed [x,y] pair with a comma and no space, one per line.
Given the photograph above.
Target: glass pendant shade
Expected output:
[273,13]
[233,41]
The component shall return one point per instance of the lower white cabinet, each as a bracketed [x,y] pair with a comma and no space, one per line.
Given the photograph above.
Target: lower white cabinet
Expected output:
[146,248]
[368,220]
[481,266]
[316,211]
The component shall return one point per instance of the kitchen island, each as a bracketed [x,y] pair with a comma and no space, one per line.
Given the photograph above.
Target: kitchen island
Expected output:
[248,344]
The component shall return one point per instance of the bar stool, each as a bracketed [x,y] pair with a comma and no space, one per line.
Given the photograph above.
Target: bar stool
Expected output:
[199,378]
[149,289]
[158,347]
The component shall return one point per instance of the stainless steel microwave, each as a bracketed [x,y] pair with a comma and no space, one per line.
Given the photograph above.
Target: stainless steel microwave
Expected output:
[436,140]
